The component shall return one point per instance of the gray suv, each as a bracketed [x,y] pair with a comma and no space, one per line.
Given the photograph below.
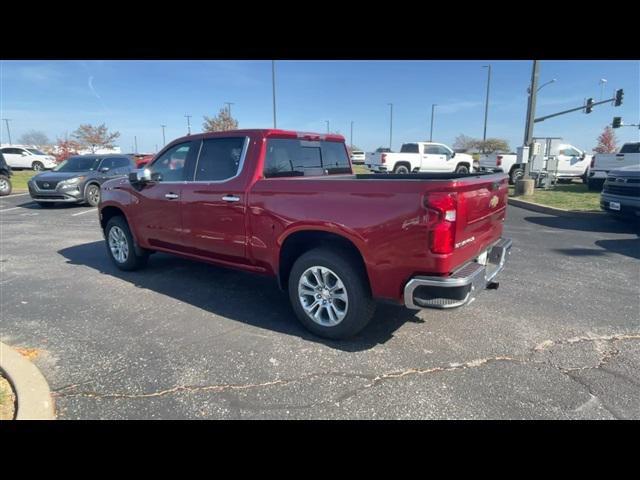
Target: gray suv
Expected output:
[78,179]
[621,192]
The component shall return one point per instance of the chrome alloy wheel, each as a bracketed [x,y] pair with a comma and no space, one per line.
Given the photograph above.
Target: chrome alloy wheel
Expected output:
[118,244]
[93,195]
[4,185]
[323,296]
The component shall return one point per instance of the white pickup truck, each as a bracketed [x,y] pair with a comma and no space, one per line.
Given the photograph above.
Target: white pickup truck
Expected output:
[420,157]
[572,162]
[602,163]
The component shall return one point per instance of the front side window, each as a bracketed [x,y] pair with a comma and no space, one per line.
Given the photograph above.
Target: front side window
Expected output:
[432,150]
[170,167]
[35,151]
[219,159]
[570,152]
[292,157]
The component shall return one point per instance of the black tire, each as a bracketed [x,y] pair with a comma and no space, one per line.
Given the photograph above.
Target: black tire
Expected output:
[46,204]
[134,260]
[515,175]
[92,195]
[401,169]
[462,169]
[595,185]
[5,186]
[361,305]
[37,166]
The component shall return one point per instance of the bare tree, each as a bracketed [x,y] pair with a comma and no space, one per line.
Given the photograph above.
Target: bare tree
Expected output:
[95,137]
[491,145]
[464,143]
[34,137]
[607,142]
[220,123]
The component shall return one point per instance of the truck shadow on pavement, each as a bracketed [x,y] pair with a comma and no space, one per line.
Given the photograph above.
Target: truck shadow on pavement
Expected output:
[252,299]
[629,247]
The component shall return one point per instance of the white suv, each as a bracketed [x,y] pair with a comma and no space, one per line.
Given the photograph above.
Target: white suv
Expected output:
[27,157]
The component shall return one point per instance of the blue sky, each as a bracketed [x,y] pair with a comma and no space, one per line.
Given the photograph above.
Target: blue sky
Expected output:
[136,97]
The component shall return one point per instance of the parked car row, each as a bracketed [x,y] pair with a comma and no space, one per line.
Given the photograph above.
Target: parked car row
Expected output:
[603,163]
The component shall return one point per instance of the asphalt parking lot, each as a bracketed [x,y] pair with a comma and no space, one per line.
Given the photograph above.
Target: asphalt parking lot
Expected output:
[560,338]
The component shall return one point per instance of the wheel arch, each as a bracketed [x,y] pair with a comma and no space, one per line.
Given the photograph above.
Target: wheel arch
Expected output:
[402,163]
[301,241]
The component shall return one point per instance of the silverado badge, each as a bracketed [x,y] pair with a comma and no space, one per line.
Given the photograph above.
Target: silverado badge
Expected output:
[494,201]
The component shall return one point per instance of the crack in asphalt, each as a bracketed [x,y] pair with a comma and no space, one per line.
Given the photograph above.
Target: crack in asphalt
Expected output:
[375,380]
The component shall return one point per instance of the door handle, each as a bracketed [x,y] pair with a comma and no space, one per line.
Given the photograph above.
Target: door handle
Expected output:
[171,196]
[231,198]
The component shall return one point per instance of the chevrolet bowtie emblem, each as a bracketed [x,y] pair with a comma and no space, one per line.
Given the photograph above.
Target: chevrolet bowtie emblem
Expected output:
[494,201]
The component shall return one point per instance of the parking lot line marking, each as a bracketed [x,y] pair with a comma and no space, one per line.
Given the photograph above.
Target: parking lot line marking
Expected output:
[82,213]
[17,195]
[7,209]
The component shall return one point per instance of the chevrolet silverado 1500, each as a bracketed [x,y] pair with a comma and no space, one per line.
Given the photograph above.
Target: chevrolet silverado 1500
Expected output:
[286,204]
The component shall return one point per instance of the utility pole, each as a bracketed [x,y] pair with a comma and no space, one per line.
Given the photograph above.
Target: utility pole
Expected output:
[228,104]
[273,83]
[164,142]
[188,124]
[327,125]
[433,109]
[486,106]
[531,113]
[135,143]
[351,134]
[391,127]
[6,121]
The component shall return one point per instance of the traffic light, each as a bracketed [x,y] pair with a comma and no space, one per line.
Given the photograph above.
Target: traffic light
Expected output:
[589,105]
[619,95]
[617,122]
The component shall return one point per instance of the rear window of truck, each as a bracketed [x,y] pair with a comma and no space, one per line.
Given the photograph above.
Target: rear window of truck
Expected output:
[295,158]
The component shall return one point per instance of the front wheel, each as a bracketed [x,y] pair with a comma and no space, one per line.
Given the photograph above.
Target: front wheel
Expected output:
[92,195]
[121,247]
[37,166]
[330,294]
[5,186]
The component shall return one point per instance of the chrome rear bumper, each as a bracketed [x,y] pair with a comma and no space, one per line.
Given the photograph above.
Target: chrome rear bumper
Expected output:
[462,286]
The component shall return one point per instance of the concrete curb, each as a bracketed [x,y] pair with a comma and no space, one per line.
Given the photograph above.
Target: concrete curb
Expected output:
[536,207]
[33,396]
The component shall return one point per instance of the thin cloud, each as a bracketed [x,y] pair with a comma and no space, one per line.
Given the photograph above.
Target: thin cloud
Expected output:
[93,90]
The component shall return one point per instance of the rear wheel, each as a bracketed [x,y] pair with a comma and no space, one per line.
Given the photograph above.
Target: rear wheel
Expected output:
[462,169]
[330,294]
[5,185]
[121,247]
[515,175]
[37,166]
[92,195]
[401,169]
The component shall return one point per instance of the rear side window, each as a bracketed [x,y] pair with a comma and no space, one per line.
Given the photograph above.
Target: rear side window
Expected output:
[292,157]
[630,148]
[219,159]
[409,148]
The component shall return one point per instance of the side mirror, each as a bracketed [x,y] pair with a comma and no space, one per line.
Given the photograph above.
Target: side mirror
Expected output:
[104,170]
[140,176]
[583,156]
[453,154]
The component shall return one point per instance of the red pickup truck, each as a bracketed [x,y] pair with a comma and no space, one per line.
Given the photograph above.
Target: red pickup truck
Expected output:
[287,204]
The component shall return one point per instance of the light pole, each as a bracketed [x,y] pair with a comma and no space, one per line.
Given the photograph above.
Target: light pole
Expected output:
[390,126]
[164,142]
[351,135]
[602,82]
[135,143]
[188,117]
[486,105]
[433,109]
[6,121]
[229,107]
[327,121]
[273,83]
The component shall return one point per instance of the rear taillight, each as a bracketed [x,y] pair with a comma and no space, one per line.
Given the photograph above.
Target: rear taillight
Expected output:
[383,158]
[498,160]
[593,162]
[442,221]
